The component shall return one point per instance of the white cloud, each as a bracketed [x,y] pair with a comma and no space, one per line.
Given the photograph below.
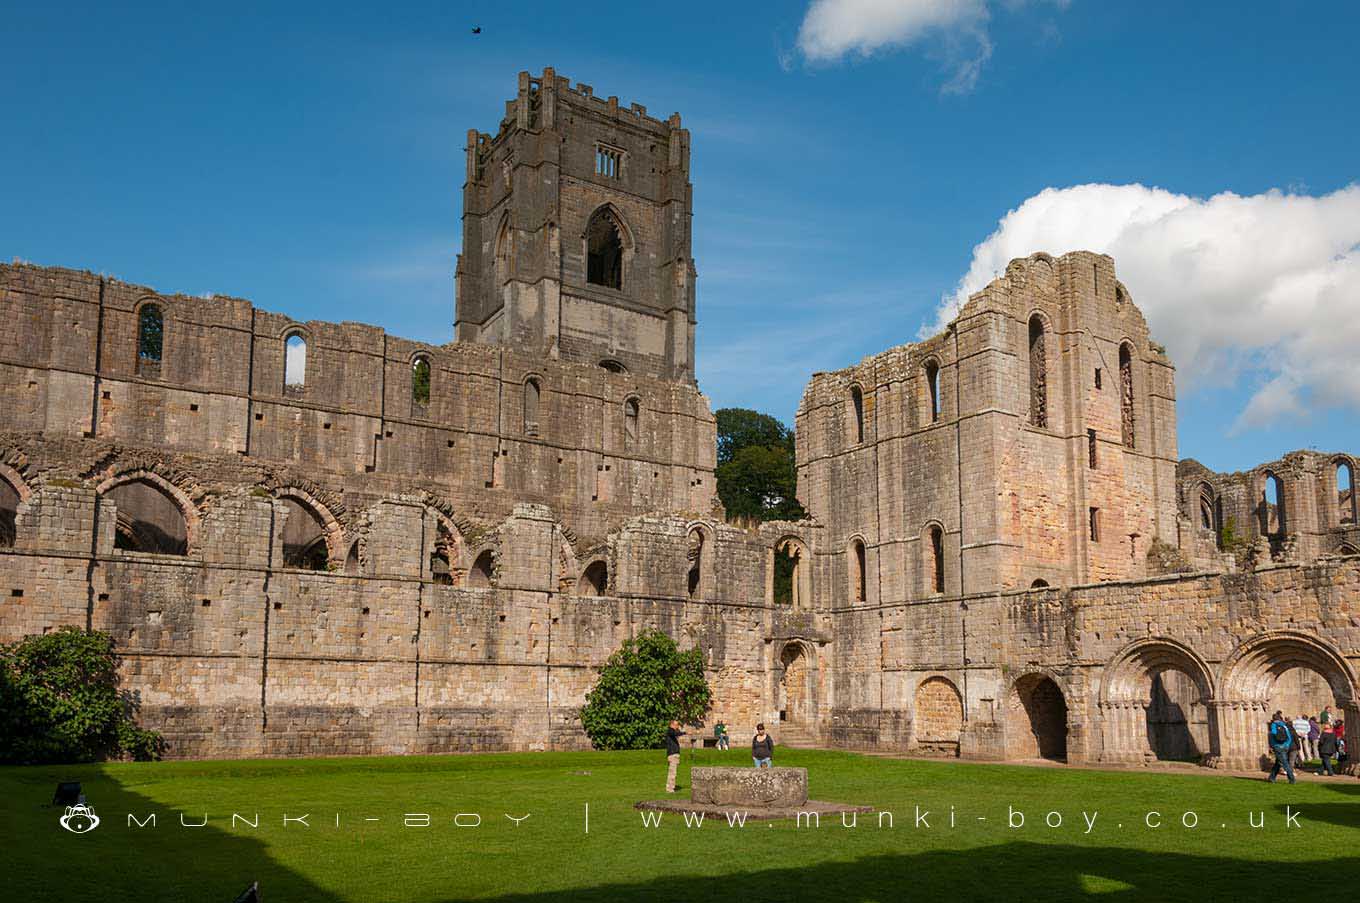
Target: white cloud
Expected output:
[957,30]
[1261,290]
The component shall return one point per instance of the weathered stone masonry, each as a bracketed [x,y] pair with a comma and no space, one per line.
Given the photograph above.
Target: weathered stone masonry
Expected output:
[386,546]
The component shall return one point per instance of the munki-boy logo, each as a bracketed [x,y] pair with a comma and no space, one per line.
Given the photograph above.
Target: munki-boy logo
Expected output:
[79,819]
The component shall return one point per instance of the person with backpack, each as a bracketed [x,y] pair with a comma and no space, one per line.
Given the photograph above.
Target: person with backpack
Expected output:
[1281,740]
[1326,750]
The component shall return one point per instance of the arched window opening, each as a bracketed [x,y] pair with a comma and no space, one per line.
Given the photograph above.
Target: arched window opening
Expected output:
[857,410]
[1345,493]
[420,385]
[504,244]
[1037,718]
[1039,584]
[594,580]
[694,554]
[935,558]
[858,571]
[294,363]
[1206,511]
[483,571]
[932,370]
[1038,373]
[9,508]
[604,251]
[352,558]
[1272,506]
[304,537]
[631,410]
[148,520]
[531,399]
[445,557]
[613,366]
[790,577]
[1126,414]
[150,340]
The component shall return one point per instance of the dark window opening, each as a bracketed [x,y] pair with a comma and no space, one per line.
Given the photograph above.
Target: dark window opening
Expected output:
[936,536]
[933,389]
[694,554]
[1091,449]
[1095,524]
[604,251]
[1126,415]
[594,580]
[483,571]
[857,405]
[1097,377]
[860,573]
[148,520]
[1038,374]
[532,392]
[150,340]
[631,411]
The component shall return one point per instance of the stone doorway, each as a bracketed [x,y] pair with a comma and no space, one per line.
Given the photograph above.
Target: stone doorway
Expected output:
[1037,720]
[794,696]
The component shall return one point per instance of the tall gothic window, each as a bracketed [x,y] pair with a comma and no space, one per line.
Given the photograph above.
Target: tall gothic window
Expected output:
[1272,505]
[532,391]
[294,362]
[857,410]
[604,251]
[1345,492]
[420,384]
[1038,373]
[631,410]
[1126,417]
[933,390]
[858,571]
[936,563]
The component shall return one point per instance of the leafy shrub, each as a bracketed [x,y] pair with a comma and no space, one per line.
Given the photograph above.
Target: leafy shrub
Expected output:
[645,684]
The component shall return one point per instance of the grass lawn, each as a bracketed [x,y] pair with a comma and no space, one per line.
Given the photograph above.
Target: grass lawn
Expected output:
[551,856]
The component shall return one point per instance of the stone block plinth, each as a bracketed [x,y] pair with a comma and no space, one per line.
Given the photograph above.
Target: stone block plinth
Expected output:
[769,787]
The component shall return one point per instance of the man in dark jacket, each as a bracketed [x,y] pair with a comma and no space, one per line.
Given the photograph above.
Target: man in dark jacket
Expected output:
[1326,747]
[673,735]
[1281,739]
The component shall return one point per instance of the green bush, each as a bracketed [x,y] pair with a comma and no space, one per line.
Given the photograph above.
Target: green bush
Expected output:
[645,684]
[60,702]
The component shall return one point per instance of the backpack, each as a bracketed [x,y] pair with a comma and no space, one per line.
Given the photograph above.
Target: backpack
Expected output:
[1279,734]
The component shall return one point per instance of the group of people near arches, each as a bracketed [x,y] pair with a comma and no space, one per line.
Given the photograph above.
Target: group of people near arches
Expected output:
[1296,742]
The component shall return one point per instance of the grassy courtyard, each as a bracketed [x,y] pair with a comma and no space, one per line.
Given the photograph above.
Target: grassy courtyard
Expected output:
[551,856]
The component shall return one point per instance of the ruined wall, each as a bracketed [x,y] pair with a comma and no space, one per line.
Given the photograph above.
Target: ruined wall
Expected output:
[1010,487]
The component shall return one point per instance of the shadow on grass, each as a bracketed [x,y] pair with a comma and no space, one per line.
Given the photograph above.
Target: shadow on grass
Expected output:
[1014,871]
[118,861]
[1346,815]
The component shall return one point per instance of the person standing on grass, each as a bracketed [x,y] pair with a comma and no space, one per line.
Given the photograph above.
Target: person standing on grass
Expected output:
[1300,727]
[1314,734]
[1281,740]
[673,735]
[720,732]
[762,748]
[1326,748]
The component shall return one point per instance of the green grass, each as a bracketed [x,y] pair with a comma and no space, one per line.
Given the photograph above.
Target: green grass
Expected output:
[550,856]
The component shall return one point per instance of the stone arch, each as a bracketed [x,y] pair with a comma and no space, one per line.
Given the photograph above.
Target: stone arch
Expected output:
[1127,406]
[790,572]
[856,411]
[1347,549]
[1036,718]
[1038,356]
[933,558]
[422,382]
[568,570]
[594,579]
[448,552]
[153,514]
[311,537]
[1271,507]
[858,568]
[1155,698]
[796,680]
[1039,583]
[482,574]
[608,247]
[13,491]
[533,396]
[296,344]
[612,366]
[150,337]
[698,560]
[931,371]
[937,721]
[1248,682]
[1347,507]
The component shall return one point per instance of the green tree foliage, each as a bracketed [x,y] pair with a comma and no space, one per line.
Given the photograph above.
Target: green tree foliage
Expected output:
[757,478]
[647,682]
[60,702]
[150,333]
[420,381]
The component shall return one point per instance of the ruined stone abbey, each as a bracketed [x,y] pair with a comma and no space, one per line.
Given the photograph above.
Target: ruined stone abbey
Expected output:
[317,538]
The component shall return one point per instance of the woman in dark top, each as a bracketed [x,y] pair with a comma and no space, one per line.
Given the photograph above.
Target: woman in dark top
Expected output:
[762,748]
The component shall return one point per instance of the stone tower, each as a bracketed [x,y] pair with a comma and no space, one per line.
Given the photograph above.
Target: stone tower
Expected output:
[576,233]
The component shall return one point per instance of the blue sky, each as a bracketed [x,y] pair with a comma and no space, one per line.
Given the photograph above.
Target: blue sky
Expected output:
[852,164]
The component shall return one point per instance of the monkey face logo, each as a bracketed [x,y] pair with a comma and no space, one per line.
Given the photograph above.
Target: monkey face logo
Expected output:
[79,819]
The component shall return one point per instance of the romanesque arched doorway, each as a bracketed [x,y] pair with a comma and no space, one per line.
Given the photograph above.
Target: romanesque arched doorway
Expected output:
[1154,704]
[1037,720]
[938,716]
[1294,673]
